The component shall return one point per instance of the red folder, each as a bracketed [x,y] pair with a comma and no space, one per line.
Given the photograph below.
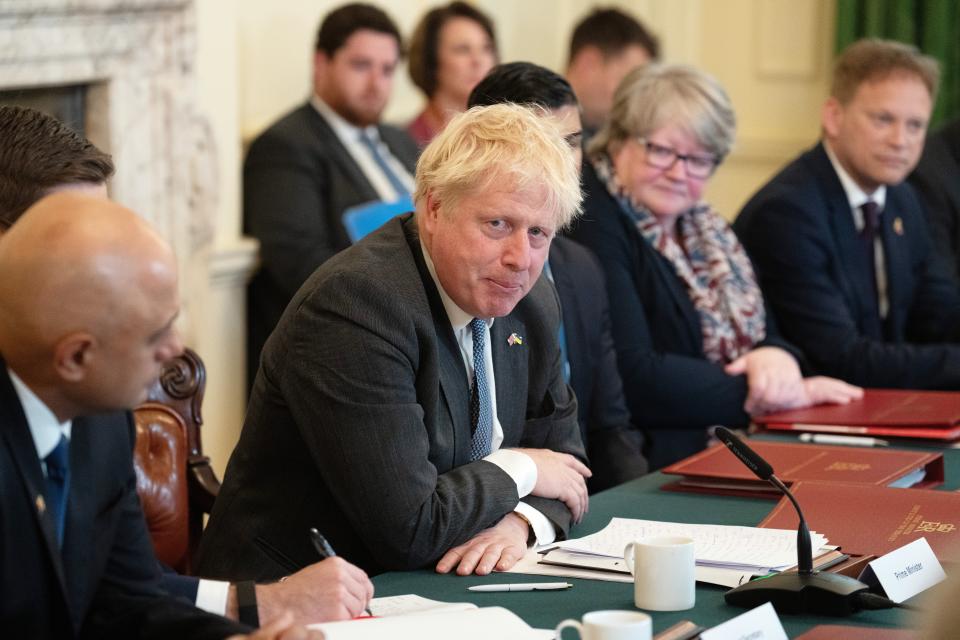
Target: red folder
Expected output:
[881,412]
[717,470]
[866,520]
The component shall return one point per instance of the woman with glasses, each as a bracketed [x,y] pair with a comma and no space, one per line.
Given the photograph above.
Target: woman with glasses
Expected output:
[695,344]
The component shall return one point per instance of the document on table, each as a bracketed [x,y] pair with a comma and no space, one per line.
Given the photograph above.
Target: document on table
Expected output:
[471,624]
[412,603]
[730,547]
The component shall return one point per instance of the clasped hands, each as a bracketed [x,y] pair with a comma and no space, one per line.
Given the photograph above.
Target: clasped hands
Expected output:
[560,476]
[775,383]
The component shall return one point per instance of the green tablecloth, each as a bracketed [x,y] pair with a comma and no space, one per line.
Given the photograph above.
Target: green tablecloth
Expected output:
[641,498]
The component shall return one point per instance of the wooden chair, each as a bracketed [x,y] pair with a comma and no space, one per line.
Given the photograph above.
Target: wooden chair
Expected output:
[175,481]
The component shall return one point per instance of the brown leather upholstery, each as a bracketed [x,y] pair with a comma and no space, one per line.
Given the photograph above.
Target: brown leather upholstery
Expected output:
[174,479]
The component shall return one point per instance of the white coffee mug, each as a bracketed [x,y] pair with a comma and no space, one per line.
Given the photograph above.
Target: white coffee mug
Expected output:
[664,578]
[611,625]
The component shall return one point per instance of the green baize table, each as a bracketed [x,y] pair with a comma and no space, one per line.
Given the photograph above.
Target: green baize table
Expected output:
[640,498]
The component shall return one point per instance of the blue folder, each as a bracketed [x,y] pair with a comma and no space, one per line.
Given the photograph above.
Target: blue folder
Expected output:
[364,218]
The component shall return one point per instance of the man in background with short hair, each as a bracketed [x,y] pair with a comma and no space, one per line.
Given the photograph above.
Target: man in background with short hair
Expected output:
[322,158]
[605,46]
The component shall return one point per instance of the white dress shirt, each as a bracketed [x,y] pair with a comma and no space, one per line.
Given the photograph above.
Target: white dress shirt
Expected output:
[349,136]
[46,431]
[857,197]
[519,466]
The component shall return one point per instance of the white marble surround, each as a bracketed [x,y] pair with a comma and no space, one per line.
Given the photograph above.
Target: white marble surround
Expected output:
[137,59]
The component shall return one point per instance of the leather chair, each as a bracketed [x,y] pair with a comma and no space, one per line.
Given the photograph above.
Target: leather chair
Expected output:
[175,481]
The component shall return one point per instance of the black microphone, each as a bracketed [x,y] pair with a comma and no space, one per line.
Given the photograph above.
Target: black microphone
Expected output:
[806,591]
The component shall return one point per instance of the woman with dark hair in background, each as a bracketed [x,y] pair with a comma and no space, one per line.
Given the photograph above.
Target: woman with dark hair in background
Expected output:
[452,49]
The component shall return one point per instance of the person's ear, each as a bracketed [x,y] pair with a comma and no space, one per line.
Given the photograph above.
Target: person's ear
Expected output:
[432,213]
[831,117]
[73,356]
[320,63]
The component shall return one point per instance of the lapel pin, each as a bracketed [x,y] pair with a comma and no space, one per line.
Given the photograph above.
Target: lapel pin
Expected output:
[898,226]
[514,339]
[41,505]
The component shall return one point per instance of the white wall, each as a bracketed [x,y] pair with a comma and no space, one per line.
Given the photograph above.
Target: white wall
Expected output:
[254,63]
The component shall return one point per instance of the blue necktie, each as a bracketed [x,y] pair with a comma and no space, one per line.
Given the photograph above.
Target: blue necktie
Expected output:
[58,484]
[394,179]
[481,411]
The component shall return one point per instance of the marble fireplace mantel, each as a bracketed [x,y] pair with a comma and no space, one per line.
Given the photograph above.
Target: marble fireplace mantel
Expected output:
[137,59]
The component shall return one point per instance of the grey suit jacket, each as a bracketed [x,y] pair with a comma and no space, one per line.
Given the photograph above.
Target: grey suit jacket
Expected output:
[298,179]
[359,421]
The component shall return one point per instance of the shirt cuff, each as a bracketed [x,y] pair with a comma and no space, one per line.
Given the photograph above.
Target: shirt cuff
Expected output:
[212,596]
[519,466]
[543,529]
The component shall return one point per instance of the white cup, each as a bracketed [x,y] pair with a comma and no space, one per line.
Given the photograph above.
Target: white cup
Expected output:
[663,573]
[611,625]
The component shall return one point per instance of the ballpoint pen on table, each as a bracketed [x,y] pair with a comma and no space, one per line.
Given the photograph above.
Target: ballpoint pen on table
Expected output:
[528,586]
[324,550]
[831,438]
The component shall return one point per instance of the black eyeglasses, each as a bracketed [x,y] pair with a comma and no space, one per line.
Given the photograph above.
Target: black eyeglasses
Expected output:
[661,157]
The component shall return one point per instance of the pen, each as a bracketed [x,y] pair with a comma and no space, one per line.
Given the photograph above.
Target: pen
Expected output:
[830,438]
[324,550]
[530,586]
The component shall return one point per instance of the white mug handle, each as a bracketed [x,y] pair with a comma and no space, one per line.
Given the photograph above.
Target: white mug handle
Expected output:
[566,624]
[628,556]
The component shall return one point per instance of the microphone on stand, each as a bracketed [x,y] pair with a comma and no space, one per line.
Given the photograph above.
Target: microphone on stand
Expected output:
[806,591]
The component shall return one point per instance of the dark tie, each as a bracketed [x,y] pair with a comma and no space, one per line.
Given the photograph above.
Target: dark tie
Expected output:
[481,411]
[58,484]
[394,179]
[868,235]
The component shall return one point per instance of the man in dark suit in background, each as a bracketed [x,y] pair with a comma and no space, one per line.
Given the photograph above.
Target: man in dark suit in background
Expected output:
[840,244]
[410,403]
[613,445]
[937,181]
[323,157]
[87,305]
[604,47]
[40,155]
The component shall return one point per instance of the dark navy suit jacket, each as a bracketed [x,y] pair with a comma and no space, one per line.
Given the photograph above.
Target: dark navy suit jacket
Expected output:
[613,445]
[937,181]
[104,582]
[800,233]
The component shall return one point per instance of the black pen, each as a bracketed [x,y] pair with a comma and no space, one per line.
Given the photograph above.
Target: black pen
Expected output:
[324,550]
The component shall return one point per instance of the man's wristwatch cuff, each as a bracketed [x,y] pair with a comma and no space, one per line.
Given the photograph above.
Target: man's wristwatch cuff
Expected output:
[247,603]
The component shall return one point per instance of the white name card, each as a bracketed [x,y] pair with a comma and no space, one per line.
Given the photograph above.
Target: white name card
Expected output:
[905,572]
[761,623]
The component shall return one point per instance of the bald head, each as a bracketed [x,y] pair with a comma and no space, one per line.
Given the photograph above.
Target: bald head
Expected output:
[87,301]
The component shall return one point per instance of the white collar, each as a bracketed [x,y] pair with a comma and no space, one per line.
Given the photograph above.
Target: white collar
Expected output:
[340,126]
[44,426]
[459,318]
[855,195]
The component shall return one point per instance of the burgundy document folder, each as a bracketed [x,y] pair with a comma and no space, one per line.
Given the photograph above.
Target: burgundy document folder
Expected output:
[717,470]
[881,412]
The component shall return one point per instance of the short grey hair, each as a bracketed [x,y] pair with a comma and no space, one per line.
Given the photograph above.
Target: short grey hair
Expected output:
[655,95]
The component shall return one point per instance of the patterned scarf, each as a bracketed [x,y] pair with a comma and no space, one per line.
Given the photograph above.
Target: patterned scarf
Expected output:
[713,266]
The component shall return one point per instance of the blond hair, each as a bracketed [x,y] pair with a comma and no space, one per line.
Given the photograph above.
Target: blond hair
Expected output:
[873,59]
[655,95]
[503,144]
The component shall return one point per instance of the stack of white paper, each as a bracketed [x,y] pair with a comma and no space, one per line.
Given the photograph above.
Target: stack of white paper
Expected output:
[747,549]
[469,624]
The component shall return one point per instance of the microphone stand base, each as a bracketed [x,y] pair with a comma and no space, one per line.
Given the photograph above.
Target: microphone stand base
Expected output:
[819,592]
